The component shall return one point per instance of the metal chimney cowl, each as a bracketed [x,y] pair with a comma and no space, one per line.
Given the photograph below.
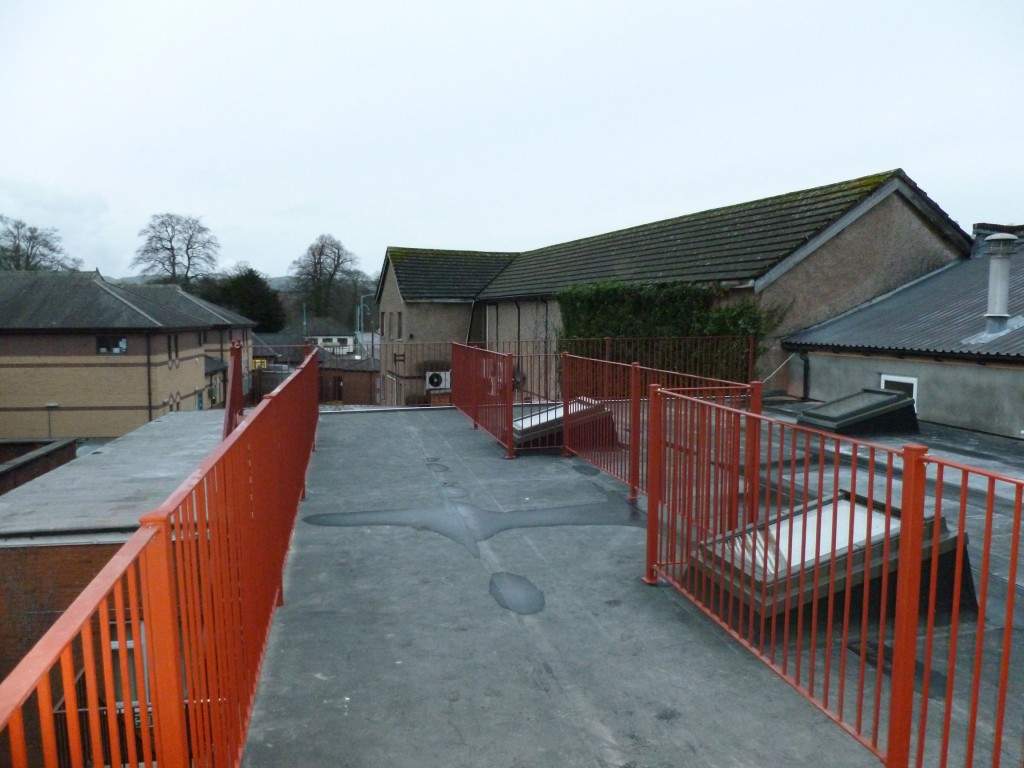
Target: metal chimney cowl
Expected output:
[999,247]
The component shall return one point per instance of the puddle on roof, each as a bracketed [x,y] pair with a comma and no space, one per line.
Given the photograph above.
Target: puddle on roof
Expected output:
[516,593]
[468,524]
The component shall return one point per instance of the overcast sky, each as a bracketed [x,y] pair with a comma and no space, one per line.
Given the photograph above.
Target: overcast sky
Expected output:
[489,126]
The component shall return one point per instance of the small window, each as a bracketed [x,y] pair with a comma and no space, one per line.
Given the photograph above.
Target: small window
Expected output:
[111,345]
[399,325]
[906,384]
[172,346]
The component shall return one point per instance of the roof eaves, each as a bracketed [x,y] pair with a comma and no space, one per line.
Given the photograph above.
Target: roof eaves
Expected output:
[898,351]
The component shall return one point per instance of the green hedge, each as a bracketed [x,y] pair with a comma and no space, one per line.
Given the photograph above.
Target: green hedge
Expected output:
[648,310]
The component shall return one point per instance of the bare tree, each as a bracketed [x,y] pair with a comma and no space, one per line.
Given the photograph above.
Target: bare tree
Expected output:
[317,273]
[177,248]
[27,248]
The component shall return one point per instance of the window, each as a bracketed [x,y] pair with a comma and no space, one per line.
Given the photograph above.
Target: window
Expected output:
[111,345]
[906,384]
[381,323]
[399,325]
[172,347]
[391,325]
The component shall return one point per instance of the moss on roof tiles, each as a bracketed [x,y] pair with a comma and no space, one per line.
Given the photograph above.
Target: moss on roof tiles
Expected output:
[425,274]
[737,242]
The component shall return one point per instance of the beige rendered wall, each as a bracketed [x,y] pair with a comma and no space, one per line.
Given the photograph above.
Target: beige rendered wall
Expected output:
[523,320]
[885,248]
[421,321]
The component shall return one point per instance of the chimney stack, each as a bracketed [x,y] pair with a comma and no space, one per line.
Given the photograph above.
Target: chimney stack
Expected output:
[999,247]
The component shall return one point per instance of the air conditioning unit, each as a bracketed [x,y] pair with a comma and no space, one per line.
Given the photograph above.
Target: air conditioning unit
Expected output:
[438,380]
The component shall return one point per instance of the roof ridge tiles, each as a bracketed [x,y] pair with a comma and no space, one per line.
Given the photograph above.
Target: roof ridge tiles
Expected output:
[105,286]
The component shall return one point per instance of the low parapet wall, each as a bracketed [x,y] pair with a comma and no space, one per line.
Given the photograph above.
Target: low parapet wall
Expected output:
[32,458]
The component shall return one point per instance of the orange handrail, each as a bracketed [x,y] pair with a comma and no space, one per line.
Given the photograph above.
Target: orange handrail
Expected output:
[158,659]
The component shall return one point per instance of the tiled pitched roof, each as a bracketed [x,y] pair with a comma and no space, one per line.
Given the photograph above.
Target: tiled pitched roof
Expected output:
[737,243]
[174,297]
[81,301]
[437,275]
[942,314]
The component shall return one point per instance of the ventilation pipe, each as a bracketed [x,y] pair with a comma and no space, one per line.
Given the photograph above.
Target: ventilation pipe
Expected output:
[999,247]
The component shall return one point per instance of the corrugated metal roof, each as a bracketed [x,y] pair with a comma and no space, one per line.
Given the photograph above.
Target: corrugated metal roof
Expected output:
[940,314]
[81,301]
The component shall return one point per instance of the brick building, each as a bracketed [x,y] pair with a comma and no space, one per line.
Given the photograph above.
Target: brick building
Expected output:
[81,356]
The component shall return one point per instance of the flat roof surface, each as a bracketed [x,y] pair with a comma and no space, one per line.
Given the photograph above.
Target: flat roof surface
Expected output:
[447,607]
[114,484]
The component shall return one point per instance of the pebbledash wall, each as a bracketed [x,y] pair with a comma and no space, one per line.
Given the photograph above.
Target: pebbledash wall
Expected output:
[59,385]
[887,247]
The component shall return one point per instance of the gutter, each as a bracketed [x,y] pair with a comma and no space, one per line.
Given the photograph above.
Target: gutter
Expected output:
[149,376]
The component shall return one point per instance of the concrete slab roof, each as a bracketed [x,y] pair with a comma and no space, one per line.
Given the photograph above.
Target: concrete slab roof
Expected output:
[102,494]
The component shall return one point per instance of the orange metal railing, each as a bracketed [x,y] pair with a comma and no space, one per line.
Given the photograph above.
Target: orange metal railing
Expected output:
[519,391]
[607,403]
[844,565]
[157,661]
[969,709]
[483,389]
[404,365]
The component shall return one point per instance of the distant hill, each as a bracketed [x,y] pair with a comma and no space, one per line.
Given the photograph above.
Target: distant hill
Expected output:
[280,283]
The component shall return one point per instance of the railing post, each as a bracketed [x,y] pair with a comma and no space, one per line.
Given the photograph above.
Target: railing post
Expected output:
[634,431]
[655,471]
[164,644]
[566,396]
[751,357]
[233,407]
[475,382]
[510,396]
[908,591]
[752,459]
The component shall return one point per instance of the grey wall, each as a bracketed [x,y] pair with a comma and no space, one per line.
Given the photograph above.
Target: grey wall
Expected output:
[987,398]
